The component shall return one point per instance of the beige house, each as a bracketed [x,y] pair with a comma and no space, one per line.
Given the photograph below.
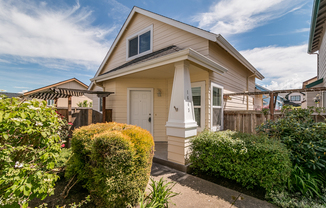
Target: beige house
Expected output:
[169,78]
[63,102]
[317,45]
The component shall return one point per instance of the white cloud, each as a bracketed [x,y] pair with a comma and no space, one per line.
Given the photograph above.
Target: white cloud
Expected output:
[36,31]
[23,91]
[237,16]
[283,67]
[4,61]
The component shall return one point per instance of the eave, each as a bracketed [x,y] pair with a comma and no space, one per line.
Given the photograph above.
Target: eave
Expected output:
[186,54]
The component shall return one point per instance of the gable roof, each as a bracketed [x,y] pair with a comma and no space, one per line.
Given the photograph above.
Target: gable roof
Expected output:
[55,85]
[11,94]
[219,39]
[318,18]
[147,57]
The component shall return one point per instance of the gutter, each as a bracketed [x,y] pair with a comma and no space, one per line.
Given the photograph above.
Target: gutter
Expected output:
[313,24]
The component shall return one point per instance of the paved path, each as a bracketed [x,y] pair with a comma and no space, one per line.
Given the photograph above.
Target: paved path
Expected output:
[199,193]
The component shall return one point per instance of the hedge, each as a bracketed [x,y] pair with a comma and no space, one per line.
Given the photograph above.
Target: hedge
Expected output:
[252,160]
[113,161]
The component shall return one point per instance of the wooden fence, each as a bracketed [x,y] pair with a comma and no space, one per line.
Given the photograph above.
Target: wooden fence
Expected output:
[247,121]
[85,116]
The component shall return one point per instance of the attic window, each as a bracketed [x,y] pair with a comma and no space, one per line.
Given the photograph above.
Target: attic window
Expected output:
[140,43]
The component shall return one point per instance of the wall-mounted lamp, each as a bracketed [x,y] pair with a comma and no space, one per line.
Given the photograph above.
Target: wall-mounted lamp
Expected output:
[159,92]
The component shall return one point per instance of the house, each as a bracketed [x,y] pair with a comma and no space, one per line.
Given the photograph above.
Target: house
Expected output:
[11,94]
[296,99]
[262,101]
[317,45]
[313,98]
[63,102]
[169,78]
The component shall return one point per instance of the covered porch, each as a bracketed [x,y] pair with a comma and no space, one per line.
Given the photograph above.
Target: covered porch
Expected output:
[170,112]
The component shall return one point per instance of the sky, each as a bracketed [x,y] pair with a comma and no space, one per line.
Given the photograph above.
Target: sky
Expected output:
[44,42]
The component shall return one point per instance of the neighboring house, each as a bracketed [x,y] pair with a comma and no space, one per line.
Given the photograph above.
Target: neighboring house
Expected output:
[317,45]
[169,78]
[296,99]
[11,94]
[67,84]
[312,96]
[262,101]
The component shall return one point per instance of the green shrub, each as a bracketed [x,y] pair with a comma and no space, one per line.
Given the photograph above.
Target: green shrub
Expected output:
[285,199]
[248,159]
[63,157]
[305,182]
[113,161]
[301,134]
[29,144]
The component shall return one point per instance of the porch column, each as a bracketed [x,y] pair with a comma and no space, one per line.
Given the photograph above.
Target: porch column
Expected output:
[181,124]
[103,109]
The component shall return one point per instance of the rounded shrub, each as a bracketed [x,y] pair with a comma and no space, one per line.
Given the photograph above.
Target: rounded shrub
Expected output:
[113,161]
[252,160]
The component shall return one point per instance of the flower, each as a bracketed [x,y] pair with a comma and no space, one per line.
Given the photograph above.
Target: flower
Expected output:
[63,145]
[33,108]
[39,123]
[19,165]
[70,123]
[18,119]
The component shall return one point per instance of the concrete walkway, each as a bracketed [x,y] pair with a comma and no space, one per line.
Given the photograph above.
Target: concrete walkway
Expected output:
[199,193]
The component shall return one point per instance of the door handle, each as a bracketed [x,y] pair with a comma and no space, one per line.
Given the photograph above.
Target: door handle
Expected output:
[150,119]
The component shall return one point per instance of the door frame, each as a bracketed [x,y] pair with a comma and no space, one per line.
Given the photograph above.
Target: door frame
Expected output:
[151,104]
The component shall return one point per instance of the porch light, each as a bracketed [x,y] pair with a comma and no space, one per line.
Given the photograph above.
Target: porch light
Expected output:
[159,93]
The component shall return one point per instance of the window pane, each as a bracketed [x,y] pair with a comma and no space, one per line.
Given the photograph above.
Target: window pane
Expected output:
[217,116]
[197,116]
[144,42]
[133,47]
[217,96]
[196,98]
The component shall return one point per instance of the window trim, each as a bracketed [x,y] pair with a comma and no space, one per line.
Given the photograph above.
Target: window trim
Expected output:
[202,85]
[214,128]
[149,28]
[99,105]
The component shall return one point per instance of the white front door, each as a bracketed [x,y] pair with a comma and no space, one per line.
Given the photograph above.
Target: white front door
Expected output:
[141,109]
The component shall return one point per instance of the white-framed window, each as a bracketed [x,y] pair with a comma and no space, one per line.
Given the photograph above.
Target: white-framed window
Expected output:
[100,104]
[295,98]
[216,107]
[198,99]
[140,43]
[50,102]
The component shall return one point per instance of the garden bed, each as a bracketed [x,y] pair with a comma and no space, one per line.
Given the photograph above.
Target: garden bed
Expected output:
[76,194]
[256,192]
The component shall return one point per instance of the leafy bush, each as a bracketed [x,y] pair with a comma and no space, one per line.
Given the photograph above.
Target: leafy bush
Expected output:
[301,134]
[306,182]
[29,144]
[248,159]
[63,157]
[85,103]
[285,199]
[113,161]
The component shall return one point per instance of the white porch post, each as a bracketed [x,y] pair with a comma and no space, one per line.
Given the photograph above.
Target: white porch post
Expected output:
[181,124]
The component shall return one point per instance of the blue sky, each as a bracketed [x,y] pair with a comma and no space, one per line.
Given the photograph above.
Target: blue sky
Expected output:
[44,42]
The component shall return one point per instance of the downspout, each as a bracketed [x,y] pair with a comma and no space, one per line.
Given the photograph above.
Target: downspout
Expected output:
[248,89]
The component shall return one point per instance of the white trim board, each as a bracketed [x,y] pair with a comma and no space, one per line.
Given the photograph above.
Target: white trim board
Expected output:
[214,128]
